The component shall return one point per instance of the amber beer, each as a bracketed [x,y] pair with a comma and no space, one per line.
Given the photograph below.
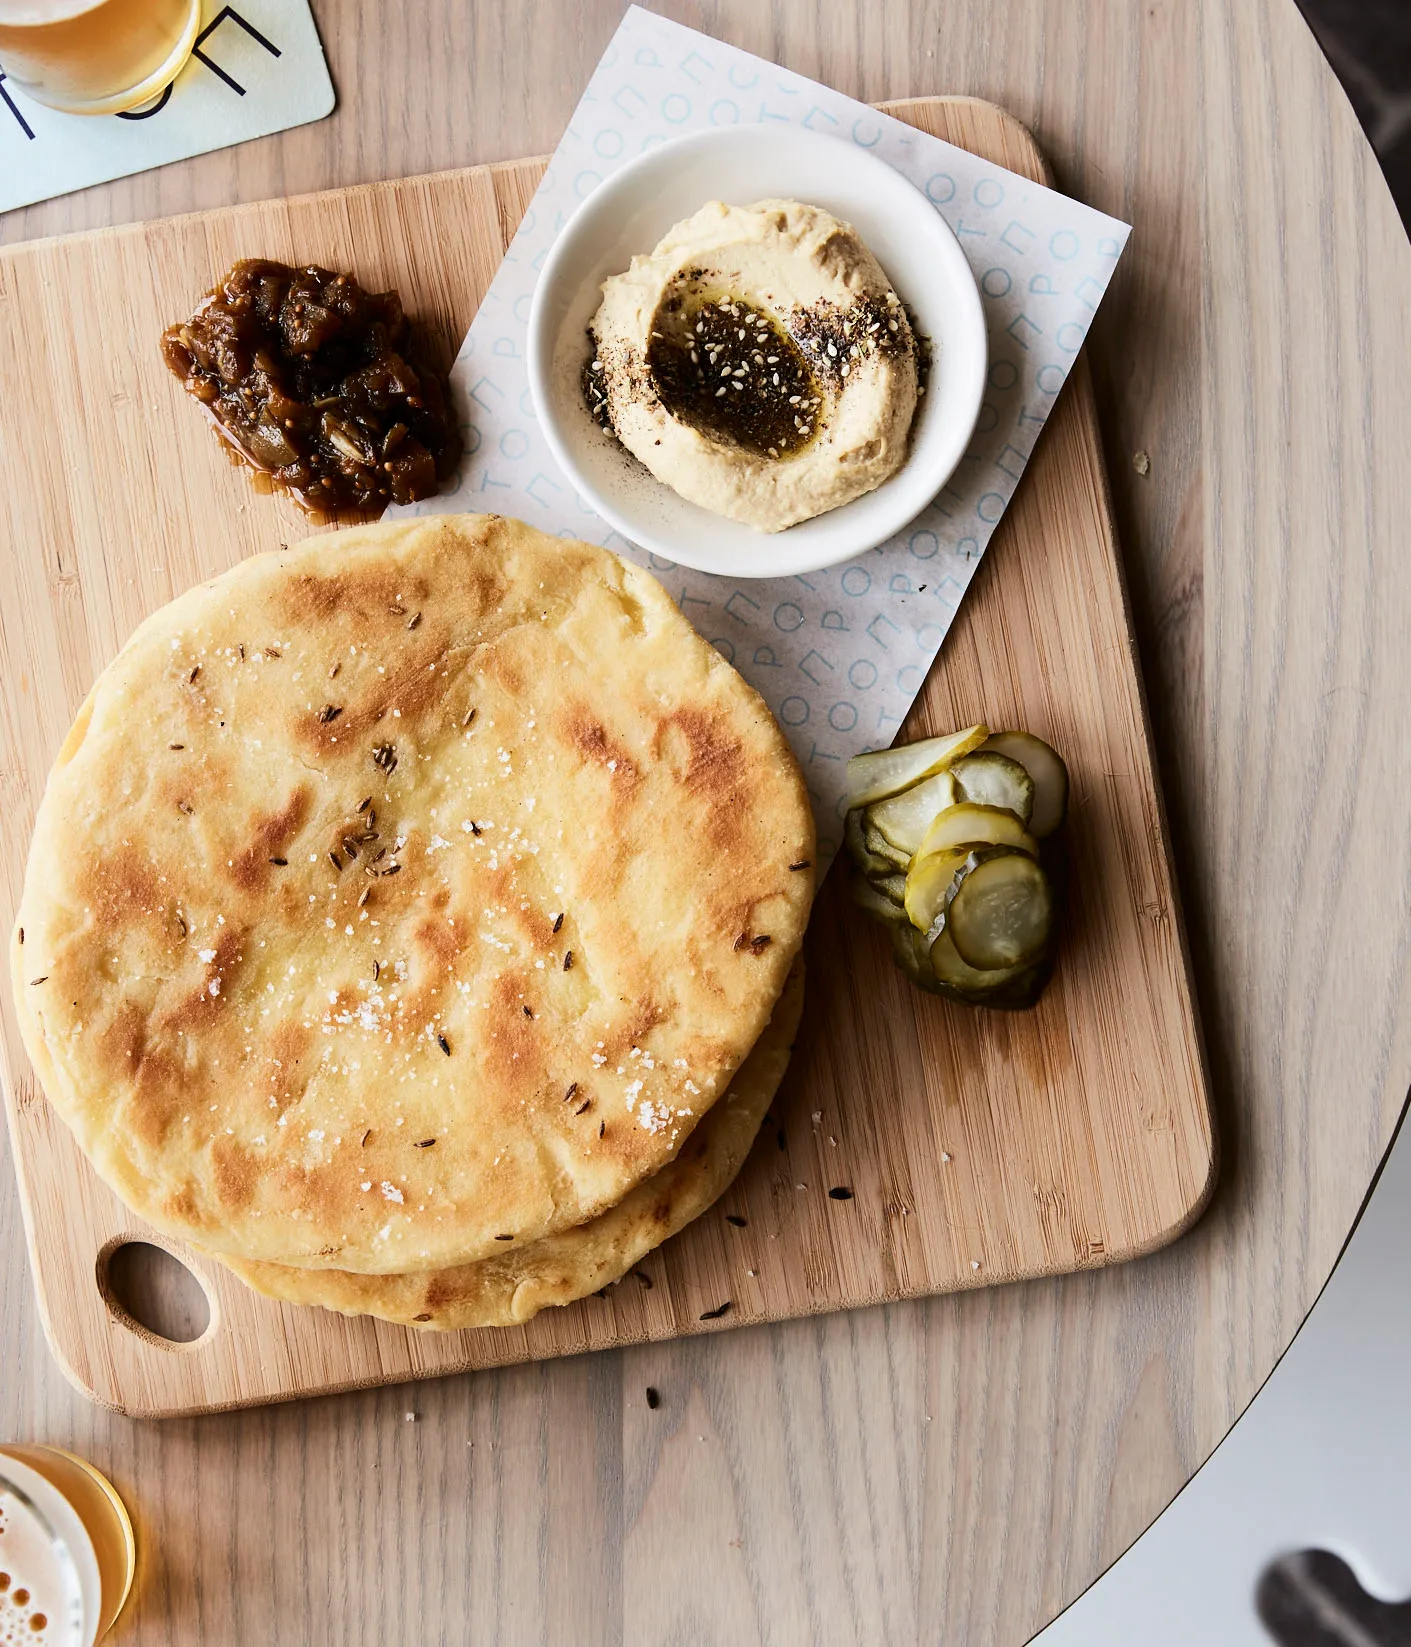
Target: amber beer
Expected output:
[96,56]
[67,1552]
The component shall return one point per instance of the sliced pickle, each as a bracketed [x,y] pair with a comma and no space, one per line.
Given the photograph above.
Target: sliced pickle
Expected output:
[1000,913]
[911,950]
[991,779]
[968,823]
[883,772]
[1022,990]
[928,883]
[893,887]
[855,841]
[871,897]
[946,835]
[880,847]
[904,819]
[1045,766]
[1016,986]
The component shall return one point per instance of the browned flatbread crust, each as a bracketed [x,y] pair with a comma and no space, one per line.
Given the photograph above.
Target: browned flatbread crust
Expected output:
[508,1289]
[421,885]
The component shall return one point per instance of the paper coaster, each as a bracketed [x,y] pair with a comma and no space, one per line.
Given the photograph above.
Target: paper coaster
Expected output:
[257,68]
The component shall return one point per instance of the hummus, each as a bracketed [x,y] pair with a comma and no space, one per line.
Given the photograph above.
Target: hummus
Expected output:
[758,363]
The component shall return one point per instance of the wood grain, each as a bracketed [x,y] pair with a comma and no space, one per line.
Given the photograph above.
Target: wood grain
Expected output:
[953,1470]
[977,1147]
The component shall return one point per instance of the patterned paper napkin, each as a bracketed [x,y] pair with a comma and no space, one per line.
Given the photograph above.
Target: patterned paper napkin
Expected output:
[838,655]
[258,68]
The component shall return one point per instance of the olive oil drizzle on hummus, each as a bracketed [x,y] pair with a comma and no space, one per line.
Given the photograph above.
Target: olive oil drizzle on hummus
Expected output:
[728,368]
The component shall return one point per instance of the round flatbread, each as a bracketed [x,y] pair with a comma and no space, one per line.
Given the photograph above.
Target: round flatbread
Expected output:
[507,1290]
[419,886]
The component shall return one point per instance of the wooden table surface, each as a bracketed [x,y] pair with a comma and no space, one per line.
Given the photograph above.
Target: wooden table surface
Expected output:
[953,1470]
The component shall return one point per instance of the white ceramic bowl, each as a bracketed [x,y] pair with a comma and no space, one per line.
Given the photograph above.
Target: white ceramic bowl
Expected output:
[630,212]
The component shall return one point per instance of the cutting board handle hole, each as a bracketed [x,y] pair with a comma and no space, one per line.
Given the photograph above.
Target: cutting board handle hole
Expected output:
[152,1293]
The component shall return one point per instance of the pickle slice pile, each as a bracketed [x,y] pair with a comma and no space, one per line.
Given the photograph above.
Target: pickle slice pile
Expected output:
[948,837]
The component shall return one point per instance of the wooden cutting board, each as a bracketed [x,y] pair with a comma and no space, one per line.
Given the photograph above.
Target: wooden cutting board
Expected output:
[979,1147]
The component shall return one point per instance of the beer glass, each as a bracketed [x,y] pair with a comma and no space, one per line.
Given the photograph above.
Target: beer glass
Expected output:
[67,1552]
[96,56]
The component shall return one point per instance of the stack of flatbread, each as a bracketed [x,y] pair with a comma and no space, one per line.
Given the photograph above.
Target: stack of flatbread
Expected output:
[413,921]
